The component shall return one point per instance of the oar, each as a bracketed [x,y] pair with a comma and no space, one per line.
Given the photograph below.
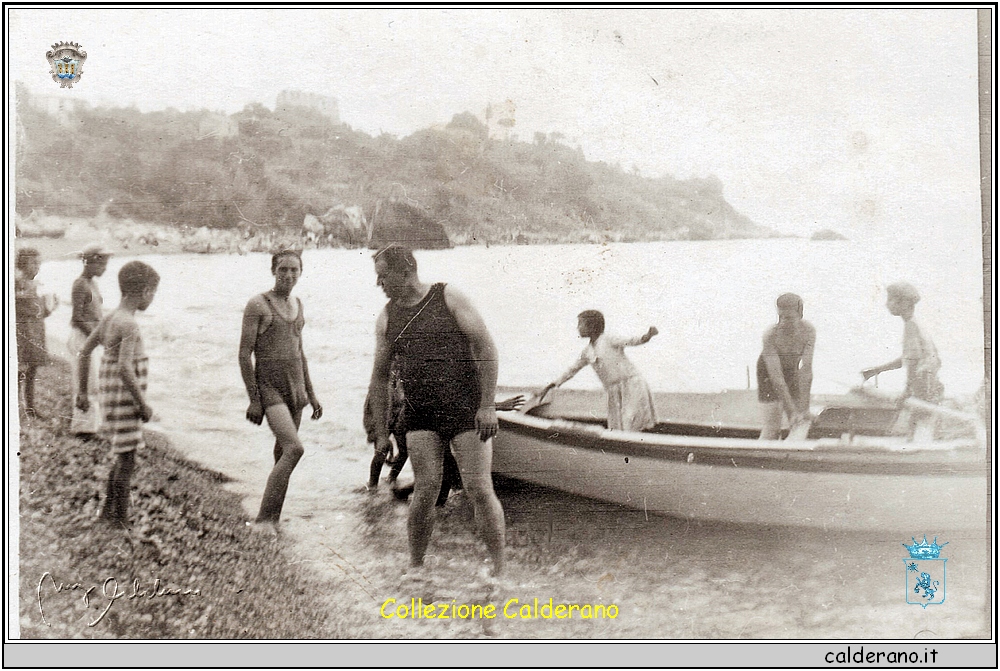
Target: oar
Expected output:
[800,430]
[919,404]
[535,401]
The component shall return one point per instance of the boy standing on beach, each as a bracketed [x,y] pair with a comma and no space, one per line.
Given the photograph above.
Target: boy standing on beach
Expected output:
[123,373]
[920,358]
[30,312]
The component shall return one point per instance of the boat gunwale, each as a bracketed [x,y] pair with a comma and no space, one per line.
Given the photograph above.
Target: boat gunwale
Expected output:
[945,458]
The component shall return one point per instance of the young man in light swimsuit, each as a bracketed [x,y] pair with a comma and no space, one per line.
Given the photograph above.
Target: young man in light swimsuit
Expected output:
[88,309]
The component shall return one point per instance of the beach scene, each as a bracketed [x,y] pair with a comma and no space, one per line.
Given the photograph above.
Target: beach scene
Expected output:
[697,251]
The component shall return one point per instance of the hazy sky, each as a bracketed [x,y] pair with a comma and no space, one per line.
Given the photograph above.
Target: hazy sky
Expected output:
[860,120]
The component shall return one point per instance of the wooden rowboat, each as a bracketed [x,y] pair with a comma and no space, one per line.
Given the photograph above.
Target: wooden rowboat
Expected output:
[703,461]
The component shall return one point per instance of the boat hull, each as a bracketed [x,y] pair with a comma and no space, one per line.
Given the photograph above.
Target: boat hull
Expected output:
[871,485]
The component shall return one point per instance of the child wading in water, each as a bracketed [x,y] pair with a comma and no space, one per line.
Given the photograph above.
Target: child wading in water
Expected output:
[123,373]
[451,478]
[630,404]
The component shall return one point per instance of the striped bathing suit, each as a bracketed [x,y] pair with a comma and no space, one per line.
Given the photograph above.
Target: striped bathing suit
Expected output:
[122,417]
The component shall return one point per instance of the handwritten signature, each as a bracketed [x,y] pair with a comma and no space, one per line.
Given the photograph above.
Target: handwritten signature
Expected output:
[110,592]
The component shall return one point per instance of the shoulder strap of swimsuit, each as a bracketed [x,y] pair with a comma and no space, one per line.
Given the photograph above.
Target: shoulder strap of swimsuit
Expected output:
[423,305]
[267,299]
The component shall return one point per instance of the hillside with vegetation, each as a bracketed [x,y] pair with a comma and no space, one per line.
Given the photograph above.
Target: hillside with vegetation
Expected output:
[294,170]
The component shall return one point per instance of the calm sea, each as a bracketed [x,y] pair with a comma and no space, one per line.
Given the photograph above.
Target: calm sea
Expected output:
[711,302]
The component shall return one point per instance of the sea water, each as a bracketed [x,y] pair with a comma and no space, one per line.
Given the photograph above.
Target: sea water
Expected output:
[711,302]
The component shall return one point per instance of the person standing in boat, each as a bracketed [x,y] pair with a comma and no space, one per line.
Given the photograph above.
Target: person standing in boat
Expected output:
[448,368]
[784,368]
[277,376]
[88,309]
[630,403]
[920,358]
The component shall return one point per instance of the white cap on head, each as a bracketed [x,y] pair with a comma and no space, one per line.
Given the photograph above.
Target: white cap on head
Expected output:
[94,250]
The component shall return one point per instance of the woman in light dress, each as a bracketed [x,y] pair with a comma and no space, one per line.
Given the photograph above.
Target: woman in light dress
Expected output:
[630,403]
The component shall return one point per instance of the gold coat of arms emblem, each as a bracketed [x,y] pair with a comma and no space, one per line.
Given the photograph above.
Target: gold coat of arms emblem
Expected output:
[66,59]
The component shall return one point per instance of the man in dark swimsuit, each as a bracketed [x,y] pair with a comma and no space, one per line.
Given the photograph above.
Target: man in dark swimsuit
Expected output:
[448,367]
[397,428]
[784,369]
[276,375]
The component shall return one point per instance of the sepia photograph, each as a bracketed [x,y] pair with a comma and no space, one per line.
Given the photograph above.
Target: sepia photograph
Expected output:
[502,324]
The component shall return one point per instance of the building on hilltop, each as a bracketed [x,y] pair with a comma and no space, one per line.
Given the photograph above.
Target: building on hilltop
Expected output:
[325,105]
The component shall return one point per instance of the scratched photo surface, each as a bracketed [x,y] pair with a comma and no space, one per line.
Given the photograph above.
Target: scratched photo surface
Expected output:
[676,169]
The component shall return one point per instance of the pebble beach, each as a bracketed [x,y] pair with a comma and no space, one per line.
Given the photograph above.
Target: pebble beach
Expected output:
[666,578]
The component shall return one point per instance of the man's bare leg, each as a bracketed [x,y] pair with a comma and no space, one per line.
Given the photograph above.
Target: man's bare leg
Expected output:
[475,462]
[287,452]
[426,451]
[771,414]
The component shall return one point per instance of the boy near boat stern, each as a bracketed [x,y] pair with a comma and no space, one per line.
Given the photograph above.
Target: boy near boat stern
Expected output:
[920,358]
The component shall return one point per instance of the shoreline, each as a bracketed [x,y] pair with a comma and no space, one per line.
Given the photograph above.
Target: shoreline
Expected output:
[188,568]
[667,578]
[125,237]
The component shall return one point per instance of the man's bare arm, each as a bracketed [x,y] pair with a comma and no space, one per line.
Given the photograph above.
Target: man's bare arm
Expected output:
[484,351]
[378,388]
[895,364]
[806,370]
[777,376]
[83,369]
[248,341]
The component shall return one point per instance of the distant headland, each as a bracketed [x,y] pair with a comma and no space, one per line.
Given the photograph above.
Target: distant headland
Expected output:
[204,181]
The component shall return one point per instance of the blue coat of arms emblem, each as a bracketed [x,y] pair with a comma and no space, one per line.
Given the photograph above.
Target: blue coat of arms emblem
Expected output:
[925,572]
[66,60]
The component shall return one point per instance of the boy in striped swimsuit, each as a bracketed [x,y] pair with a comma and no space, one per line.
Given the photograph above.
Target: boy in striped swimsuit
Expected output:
[123,373]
